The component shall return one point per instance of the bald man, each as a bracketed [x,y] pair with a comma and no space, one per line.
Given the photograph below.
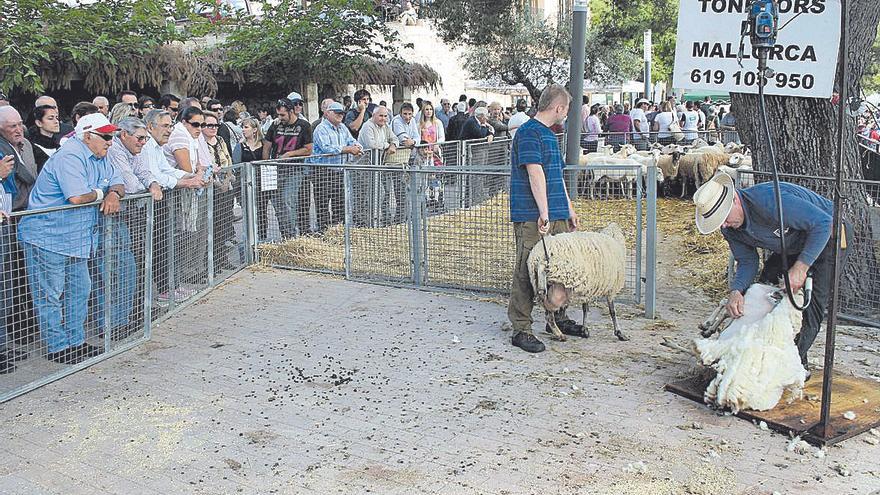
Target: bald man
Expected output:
[103,104]
[65,128]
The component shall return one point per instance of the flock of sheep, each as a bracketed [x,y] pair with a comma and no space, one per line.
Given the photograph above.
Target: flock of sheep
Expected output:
[677,166]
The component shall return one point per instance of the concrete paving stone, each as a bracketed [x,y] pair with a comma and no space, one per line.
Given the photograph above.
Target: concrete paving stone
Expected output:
[14,485]
[420,413]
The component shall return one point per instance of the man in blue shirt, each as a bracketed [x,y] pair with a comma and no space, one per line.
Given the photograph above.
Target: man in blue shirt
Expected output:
[539,205]
[333,140]
[58,244]
[748,220]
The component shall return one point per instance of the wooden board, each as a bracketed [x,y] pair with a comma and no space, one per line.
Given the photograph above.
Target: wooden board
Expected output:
[848,394]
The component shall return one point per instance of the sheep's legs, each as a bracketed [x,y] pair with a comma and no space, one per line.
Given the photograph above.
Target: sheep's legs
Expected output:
[620,335]
[554,328]
[586,309]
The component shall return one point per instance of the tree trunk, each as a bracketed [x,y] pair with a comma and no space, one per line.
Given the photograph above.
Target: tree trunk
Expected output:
[804,134]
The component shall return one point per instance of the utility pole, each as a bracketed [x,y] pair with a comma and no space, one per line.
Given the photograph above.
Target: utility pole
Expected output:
[648,86]
[576,87]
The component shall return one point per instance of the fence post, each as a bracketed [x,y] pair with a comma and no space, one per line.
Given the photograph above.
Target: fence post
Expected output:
[148,269]
[415,217]
[210,235]
[639,194]
[651,261]
[250,214]
[172,251]
[349,197]
[106,286]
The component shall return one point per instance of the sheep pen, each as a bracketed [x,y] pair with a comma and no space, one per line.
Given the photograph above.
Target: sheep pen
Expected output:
[473,247]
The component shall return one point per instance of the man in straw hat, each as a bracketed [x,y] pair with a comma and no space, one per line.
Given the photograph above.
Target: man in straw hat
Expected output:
[748,219]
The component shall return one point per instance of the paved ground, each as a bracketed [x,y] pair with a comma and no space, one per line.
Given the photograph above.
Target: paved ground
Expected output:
[281,382]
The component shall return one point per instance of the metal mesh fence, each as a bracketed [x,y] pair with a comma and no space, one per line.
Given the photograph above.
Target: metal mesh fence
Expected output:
[860,284]
[644,140]
[77,286]
[73,290]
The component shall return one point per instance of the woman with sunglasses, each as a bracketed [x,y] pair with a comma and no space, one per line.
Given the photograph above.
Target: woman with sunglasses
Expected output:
[184,152]
[144,105]
[121,111]
[223,195]
[44,140]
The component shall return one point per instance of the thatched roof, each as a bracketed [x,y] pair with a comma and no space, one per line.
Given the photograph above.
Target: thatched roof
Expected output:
[391,73]
[196,72]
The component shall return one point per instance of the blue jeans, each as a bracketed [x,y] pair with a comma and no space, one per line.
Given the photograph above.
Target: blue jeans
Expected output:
[7,245]
[122,270]
[60,286]
[293,185]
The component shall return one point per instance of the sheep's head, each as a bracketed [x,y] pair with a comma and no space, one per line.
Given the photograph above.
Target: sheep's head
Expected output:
[614,231]
[736,159]
[626,150]
[557,297]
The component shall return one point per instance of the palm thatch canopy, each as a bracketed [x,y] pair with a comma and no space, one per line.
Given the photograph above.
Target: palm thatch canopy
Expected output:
[197,71]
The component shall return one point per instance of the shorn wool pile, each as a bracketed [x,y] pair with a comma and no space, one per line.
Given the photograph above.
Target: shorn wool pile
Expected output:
[582,267]
[755,357]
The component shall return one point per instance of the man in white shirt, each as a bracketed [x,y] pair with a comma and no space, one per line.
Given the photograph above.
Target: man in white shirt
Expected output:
[640,124]
[518,119]
[159,127]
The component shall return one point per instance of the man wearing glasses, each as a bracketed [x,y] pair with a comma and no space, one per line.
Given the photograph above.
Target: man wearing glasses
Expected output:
[290,136]
[128,231]
[58,244]
[361,112]
[128,97]
[170,104]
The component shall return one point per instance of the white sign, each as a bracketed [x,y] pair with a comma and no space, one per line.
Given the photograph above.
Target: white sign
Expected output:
[804,59]
[580,6]
[268,178]
[647,48]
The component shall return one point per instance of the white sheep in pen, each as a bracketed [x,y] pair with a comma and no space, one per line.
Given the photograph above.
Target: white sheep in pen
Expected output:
[625,177]
[579,268]
[755,357]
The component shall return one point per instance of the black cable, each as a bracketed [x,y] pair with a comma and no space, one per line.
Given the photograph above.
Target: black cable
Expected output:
[762,108]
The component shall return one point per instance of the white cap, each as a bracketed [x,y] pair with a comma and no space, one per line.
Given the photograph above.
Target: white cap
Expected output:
[94,122]
[294,96]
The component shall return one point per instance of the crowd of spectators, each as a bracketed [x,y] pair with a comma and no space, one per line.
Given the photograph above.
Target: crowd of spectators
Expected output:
[54,263]
[646,122]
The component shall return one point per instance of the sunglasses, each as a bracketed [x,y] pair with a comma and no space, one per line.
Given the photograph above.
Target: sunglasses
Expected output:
[105,137]
[133,105]
[142,139]
[173,109]
[147,105]
[210,126]
[196,124]
[216,109]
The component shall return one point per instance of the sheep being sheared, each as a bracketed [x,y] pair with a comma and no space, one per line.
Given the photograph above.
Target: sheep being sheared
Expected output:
[582,267]
[755,357]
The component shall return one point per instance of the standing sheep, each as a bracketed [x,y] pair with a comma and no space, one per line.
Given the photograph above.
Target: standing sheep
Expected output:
[579,267]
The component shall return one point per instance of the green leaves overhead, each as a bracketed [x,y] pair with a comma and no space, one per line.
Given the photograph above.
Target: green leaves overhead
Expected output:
[45,40]
[329,41]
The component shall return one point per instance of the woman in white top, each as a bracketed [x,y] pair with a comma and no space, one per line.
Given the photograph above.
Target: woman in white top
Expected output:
[690,121]
[593,129]
[662,120]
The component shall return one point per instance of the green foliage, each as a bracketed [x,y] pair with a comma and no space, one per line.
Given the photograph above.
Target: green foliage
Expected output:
[871,78]
[623,23]
[42,38]
[536,52]
[328,41]
[474,22]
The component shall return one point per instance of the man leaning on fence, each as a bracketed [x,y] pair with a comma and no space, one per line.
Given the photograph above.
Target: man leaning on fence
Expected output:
[334,142]
[18,171]
[58,244]
[539,205]
[128,232]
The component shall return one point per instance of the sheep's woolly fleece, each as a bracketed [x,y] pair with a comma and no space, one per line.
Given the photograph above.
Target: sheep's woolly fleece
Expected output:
[590,264]
[755,357]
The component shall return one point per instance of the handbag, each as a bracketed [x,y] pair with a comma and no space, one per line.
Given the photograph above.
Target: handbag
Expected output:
[675,129]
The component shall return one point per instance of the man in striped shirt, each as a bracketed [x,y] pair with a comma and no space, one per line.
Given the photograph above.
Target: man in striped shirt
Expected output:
[539,205]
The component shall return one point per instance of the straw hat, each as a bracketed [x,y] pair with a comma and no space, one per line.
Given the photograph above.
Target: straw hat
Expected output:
[714,200]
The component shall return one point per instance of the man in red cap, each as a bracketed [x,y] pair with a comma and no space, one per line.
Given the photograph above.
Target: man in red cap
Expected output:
[59,244]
